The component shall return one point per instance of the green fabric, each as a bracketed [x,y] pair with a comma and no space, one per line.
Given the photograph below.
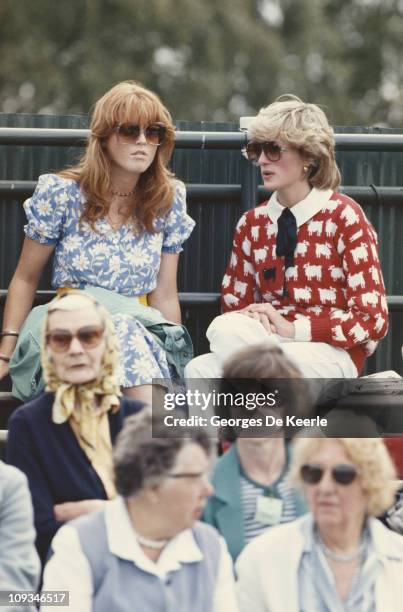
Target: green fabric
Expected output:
[224,508]
[25,369]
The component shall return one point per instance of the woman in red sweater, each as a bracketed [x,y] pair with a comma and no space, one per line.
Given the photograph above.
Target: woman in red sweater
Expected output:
[304,269]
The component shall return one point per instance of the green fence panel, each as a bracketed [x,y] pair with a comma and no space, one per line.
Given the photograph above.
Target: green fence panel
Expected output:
[204,259]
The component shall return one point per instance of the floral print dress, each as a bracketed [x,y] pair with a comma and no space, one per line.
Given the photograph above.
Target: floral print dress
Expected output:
[124,261]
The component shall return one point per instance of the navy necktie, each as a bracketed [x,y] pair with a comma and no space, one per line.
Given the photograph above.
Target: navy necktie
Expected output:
[286,241]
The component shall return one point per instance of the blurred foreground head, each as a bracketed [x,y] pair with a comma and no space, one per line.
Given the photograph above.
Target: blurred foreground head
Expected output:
[168,476]
[344,477]
[263,370]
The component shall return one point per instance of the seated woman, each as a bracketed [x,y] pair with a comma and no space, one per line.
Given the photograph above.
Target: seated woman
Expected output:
[338,557]
[63,439]
[116,223]
[145,550]
[252,491]
[304,267]
[19,562]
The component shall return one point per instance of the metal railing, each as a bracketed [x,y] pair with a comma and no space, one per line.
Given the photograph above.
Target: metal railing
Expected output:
[247,193]
[191,139]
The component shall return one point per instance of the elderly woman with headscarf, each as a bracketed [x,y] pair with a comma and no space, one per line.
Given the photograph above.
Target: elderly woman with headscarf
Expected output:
[145,550]
[338,557]
[63,439]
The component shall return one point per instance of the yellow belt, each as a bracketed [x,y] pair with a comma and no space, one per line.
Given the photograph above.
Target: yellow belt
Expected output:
[141,298]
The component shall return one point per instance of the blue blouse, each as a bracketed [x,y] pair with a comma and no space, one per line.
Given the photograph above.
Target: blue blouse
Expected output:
[120,260]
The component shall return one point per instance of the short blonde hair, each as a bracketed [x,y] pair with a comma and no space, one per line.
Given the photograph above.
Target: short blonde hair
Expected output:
[377,473]
[304,127]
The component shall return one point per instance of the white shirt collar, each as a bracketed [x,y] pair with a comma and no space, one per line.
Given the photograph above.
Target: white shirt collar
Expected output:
[303,210]
[123,543]
[385,543]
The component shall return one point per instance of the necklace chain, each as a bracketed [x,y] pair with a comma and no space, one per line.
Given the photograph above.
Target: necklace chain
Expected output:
[122,194]
[328,552]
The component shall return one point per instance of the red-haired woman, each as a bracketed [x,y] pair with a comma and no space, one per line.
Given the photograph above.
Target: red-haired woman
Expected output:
[115,223]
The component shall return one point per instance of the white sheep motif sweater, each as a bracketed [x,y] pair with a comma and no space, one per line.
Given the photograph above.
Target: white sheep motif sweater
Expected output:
[335,289]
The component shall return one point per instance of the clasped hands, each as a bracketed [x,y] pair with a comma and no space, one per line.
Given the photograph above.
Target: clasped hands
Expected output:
[272,321]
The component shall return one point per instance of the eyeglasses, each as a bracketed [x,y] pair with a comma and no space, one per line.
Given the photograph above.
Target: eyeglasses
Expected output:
[89,337]
[271,149]
[341,473]
[129,133]
[191,475]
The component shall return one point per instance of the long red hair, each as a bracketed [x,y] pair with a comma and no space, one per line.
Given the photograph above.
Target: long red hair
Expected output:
[126,102]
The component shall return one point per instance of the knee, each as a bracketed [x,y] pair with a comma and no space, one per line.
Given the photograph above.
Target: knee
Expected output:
[234,330]
[204,366]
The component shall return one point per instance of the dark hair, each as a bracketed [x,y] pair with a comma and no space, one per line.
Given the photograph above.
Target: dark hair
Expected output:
[140,460]
[263,368]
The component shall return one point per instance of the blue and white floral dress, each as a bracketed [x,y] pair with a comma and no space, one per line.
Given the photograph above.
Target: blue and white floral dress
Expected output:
[123,261]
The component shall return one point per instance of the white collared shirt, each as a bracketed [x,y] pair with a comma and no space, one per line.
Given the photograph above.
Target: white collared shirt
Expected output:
[69,570]
[303,210]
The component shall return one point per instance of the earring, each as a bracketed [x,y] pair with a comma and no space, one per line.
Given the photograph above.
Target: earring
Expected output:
[306,168]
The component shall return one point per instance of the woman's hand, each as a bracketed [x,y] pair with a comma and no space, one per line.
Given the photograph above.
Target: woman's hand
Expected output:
[4,369]
[71,510]
[259,316]
[272,321]
[165,295]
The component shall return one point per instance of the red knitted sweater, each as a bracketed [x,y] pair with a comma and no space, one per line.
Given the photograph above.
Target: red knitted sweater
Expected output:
[335,284]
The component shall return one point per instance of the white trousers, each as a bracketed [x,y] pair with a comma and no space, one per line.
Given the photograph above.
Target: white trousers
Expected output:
[230,332]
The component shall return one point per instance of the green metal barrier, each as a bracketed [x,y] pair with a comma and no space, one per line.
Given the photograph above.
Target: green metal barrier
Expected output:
[221,184]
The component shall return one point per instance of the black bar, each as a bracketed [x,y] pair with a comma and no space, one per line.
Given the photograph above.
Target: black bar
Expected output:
[363,194]
[395,302]
[78,137]
[191,139]
[233,193]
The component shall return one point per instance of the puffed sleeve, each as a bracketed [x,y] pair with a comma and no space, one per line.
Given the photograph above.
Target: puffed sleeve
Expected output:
[178,224]
[46,209]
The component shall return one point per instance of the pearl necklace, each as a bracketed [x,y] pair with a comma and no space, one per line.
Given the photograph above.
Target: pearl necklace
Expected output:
[155,544]
[328,552]
[122,194]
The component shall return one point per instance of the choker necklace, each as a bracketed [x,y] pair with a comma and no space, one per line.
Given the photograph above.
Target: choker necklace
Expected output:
[155,544]
[122,194]
[328,552]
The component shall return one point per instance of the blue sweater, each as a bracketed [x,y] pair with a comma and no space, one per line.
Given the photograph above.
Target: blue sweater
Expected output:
[56,466]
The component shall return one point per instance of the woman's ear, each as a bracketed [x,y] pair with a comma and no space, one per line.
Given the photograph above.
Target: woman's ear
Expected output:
[310,167]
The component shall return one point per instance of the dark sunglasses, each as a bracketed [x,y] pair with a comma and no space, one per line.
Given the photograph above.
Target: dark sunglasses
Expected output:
[342,474]
[89,337]
[129,133]
[271,149]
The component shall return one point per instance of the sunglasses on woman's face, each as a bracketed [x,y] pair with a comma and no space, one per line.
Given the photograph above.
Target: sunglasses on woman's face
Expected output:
[271,149]
[342,474]
[89,337]
[129,133]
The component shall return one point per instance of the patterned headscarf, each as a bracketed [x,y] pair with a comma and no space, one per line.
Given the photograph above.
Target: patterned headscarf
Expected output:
[84,405]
